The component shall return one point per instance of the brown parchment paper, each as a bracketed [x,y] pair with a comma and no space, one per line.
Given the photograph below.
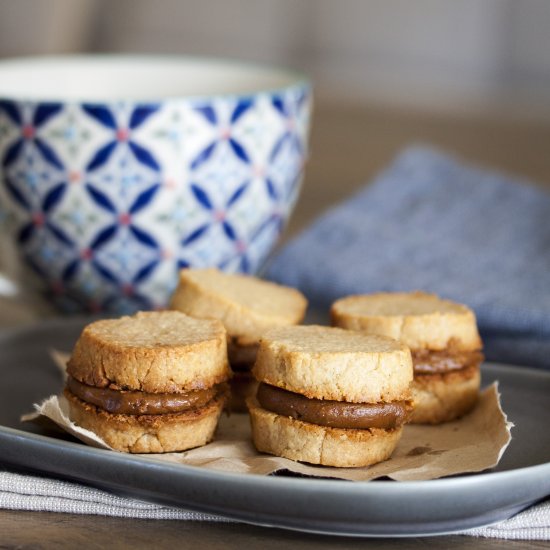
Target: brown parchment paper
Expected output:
[471,444]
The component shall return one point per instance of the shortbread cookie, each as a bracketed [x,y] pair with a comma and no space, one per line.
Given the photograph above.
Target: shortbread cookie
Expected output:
[329,396]
[335,364]
[247,306]
[147,351]
[444,342]
[154,382]
[446,396]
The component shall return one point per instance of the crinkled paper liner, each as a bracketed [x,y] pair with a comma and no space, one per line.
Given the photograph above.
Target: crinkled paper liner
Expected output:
[474,443]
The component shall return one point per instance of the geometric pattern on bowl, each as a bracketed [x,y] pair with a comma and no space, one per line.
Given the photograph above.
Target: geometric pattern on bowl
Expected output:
[112,199]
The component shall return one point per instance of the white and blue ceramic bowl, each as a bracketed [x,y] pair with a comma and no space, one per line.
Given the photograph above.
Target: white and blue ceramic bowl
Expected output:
[118,171]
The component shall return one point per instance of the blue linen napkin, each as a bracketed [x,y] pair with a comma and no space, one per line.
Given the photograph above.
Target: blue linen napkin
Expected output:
[431,222]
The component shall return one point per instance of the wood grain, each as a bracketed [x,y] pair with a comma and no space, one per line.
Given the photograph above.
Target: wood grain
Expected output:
[34,530]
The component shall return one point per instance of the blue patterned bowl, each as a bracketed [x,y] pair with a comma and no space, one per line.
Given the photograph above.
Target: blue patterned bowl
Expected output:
[118,171]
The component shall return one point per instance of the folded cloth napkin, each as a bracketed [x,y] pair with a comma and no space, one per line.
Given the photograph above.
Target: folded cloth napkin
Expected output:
[431,222]
[25,492]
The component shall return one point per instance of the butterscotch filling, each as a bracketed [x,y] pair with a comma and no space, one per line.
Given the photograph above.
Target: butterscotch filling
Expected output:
[333,414]
[436,362]
[137,402]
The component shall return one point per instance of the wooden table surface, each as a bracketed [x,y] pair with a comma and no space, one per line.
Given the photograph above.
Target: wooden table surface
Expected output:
[33,530]
[349,146]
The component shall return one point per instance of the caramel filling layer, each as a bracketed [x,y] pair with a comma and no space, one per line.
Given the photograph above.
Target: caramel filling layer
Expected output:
[241,356]
[137,402]
[334,414]
[433,362]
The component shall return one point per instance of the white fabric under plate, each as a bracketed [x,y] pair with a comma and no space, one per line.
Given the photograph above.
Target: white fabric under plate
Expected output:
[25,492]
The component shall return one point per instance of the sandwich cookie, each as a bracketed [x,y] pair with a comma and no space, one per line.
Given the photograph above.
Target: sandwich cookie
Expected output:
[330,396]
[443,339]
[151,383]
[247,307]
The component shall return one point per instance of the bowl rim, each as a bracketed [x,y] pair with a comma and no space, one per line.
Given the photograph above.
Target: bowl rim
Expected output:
[296,79]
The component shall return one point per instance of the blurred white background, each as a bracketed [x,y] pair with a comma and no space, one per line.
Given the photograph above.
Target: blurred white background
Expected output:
[472,55]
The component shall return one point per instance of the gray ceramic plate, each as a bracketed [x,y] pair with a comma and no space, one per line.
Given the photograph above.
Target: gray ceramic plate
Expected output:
[377,508]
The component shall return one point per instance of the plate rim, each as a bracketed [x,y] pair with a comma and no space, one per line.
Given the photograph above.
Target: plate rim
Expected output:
[450,482]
